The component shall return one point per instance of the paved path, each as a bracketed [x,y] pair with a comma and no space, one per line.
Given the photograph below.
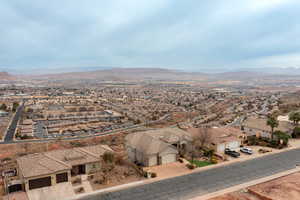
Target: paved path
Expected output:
[207,181]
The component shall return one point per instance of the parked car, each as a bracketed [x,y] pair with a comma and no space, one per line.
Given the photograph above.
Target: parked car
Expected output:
[246,150]
[232,153]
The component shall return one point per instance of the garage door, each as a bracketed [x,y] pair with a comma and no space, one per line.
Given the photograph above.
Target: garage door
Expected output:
[39,183]
[63,177]
[168,158]
[14,188]
[233,145]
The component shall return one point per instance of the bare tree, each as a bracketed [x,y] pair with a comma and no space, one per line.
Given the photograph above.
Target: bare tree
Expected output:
[203,136]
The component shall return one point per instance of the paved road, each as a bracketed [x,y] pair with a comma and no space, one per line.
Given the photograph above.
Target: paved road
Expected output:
[192,185]
[13,125]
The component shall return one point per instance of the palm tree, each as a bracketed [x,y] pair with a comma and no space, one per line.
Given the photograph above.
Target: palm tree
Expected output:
[273,123]
[295,117]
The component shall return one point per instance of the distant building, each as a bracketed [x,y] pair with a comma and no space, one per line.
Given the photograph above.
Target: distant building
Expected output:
[3,113]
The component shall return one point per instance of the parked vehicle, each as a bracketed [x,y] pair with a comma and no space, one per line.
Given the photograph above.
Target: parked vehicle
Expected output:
[232,153]
[246,150]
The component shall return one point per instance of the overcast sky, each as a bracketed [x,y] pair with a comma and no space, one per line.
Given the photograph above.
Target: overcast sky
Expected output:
[177,34]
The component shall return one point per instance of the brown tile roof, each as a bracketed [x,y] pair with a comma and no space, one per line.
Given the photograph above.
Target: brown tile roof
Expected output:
[58,160]
[219,135]
[39,164]
[169,135]
[97,150]
[73,156]
[147,144]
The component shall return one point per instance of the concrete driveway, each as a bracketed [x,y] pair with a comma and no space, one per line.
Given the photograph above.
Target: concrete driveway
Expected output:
[56,192]
[16,196]
[169,170]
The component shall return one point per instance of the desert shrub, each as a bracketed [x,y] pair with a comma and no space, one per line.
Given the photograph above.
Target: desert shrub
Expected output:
[214,160]
[109,157]
[296,132]
[77,180]
[80,190]
[153,175]
[145,174]
[190,166]
[273,144]
[252,140]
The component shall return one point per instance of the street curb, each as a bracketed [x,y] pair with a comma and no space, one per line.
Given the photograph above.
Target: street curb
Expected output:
[149,181]
[245,185]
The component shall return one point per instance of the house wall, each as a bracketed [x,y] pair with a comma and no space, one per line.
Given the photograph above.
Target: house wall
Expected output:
[168,158]
[131,153]
[53,179]
[151,161]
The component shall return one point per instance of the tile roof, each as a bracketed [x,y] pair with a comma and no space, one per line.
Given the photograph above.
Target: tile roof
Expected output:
[146,143]
[39,164]
[73,156]
[58,160]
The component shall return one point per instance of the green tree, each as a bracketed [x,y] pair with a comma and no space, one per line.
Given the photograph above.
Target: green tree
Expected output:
[273,123]
[282,136]
[3,107]
[296,132]
[15,106]
[295,117]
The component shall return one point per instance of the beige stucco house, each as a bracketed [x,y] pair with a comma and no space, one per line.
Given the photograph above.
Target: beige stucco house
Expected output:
[54,167]
[156,147]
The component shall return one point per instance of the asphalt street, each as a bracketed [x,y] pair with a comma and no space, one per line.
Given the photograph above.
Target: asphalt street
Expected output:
[204,182]
[13,125]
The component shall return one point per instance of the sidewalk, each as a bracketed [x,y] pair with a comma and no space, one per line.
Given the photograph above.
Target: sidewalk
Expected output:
[245,185]
[294,145]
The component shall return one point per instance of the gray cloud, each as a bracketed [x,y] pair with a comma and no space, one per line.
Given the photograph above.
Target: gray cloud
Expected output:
[190,34]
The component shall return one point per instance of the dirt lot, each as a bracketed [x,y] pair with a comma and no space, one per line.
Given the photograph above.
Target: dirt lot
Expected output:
[284,188]
[121,173]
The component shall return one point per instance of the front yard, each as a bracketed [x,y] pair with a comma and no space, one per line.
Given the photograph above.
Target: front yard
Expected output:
[199,163]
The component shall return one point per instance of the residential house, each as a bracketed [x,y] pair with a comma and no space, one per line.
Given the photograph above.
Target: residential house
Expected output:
[156,147]
[54,167]
[219,138]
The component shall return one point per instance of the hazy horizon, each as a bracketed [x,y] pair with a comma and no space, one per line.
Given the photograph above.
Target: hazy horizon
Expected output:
[191,35]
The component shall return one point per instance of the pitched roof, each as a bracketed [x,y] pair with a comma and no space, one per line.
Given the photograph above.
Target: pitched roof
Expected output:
[73,156]
[169,135]
[40,164]
[219,135]
[58,160]
[97,150]
[147,144]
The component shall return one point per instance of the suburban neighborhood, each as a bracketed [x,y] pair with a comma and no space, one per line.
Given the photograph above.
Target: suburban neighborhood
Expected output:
[150,100]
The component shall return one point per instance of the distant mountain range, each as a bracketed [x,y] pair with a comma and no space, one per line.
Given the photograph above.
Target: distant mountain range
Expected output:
[4,76]
[119,74]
